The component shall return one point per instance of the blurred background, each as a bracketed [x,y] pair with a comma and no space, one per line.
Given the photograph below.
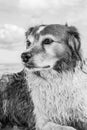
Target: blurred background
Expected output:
[17,15]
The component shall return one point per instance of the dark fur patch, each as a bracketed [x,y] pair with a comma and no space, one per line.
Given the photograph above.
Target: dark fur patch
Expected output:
[72,39]
[19,107]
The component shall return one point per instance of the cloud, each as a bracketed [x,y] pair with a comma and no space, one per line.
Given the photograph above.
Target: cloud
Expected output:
[52,11]
[41,4]
[11,43]
[30,4]
[11,36]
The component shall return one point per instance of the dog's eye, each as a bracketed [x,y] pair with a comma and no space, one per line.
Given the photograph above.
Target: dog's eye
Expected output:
[47,41]
[28,43]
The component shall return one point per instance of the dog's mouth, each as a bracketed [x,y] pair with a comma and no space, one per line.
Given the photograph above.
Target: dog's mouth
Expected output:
[48,66]
[32,66]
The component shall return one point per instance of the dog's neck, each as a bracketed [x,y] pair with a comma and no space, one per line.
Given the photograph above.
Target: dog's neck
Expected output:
[47,74]
[39,72]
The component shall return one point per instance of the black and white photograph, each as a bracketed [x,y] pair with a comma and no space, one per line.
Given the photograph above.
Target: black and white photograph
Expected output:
[43,65]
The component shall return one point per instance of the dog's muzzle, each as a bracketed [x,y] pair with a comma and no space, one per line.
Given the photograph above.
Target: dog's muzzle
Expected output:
[26,56]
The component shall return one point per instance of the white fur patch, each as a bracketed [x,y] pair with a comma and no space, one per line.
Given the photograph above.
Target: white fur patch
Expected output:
[31,38]
[42,60]
[40,29]
[58,97]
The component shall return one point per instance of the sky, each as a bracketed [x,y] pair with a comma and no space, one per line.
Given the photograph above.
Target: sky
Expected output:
[17,15]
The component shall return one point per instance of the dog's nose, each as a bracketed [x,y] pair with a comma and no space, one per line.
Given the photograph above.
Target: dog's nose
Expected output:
[25,57]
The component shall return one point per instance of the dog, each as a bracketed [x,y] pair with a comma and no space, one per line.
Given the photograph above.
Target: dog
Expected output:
[50,93]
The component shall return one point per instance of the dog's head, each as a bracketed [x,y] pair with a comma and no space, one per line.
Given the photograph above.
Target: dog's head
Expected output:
[52,46]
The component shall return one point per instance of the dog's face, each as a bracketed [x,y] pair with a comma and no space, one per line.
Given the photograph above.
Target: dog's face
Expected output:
[51,46]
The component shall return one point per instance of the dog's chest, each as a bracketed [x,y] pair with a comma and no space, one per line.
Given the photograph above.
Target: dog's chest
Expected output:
[54,96]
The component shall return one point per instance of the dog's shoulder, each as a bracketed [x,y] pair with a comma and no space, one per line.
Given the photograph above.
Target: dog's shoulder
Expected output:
[8,80]
[5,80]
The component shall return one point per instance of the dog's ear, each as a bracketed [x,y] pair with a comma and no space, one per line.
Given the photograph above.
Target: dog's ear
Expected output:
[28,32]
[74,42]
